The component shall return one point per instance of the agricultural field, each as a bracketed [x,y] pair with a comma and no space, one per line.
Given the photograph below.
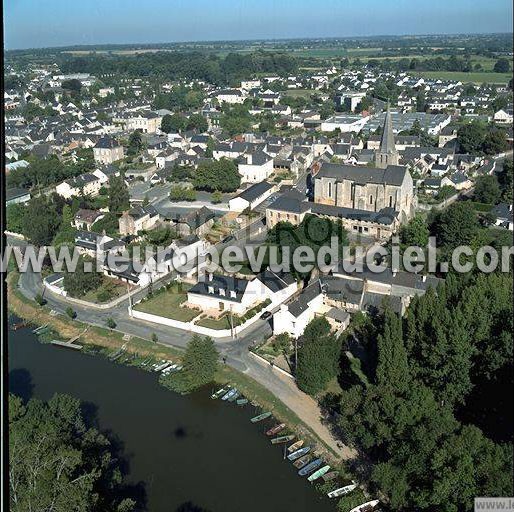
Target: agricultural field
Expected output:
[478,78]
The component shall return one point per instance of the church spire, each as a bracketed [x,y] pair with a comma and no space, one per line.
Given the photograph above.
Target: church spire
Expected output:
[387,154]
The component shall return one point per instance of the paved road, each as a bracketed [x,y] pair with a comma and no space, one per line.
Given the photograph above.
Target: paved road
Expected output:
[234,350]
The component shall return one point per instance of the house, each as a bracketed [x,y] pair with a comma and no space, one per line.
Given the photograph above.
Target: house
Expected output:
[255,167]
[503,214]
[16,195]
[504,116]
[292,318]
[228,293]
[231,96]
[344,123]
[87,184]
[85,218]
[350,99]
[146,122]
[251,197]
[140,218]
[97,245]
[198,222]
[457,180]
[107,150]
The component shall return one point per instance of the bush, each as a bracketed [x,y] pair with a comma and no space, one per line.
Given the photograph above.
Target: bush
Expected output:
[70,312]
[179,193]
[155,339]
[111,323]
[104,295]
[39,299]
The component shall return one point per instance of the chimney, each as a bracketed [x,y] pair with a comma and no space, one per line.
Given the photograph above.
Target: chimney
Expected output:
[510,207]
[210,276]
[249,159]
[424,278]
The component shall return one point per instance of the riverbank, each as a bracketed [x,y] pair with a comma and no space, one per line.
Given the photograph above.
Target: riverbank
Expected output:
[111,340]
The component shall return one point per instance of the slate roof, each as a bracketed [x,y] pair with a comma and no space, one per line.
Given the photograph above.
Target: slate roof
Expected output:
[391,175]
[307,295]
[255,191]
[275,281]
[219,282]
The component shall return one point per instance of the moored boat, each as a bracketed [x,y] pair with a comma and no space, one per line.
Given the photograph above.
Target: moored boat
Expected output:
[366,507]
[299,453]
[260,417]
[234,396]
[219,393]
[295,446]
[228,394]
[302,461]
[330,476]
[342,491]
[312,466]
[319,473]
[283,439]
[276,429]
[242,401]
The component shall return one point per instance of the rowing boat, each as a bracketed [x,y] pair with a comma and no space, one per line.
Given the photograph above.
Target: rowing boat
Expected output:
[315,464]
[319,473]
[299,453]
[276,429]
[295,446]
[342,491]
[218,393]
[330,476]
[282,439]
[302,461]
[242,401]
[366,507]
[228,394]
[261,417]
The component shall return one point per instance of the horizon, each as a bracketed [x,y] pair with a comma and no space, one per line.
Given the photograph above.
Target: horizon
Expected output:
[52,24]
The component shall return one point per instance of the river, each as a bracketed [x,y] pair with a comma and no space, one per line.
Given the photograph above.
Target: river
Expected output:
[186,453]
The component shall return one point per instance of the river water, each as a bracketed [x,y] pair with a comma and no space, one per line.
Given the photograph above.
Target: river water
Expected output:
[184,453]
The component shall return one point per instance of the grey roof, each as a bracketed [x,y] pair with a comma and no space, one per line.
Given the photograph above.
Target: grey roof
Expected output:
[503,211]
[286,203]
[343,289]
[385,216]
[106,143]
[307,295]
[218,282]
[15,193]
[387,144]
[275,281]
[391,175]
[255,191]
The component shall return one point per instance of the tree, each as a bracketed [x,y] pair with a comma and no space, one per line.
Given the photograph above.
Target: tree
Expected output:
[39,299]
[502,66]
[495,141]
[41,221]
[415,232]
[487,189]
[15,214]
[197,122]
[83,279]
[173,123]
[318,357]
[471,137]
[66,232]
[505,180]
[216,197]
[111,324]
[70,312]
[200,363]
[221,175]
[155,338]
[135,143]
[58,461]
[119,195]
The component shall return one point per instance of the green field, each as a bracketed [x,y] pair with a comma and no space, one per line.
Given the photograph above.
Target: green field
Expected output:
[478,78]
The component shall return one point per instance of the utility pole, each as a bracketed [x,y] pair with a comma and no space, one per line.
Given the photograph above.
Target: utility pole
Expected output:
[130,300]
[296,355]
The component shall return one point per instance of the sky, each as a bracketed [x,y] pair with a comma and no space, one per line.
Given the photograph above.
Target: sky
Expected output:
[47,23]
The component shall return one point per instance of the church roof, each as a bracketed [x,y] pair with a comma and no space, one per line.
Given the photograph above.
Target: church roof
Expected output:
[387,144]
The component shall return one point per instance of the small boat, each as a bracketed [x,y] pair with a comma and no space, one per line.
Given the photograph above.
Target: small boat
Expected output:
[296,446]
[230,393]
[302,461]
[218,393]
[233,398]
[18,325]
[315,464]
[261,417]
[299,453]
[342,491]
[330,476]
[276,429]
[283,439]
[319,473]
[366,507]
[40,328]
[242,401]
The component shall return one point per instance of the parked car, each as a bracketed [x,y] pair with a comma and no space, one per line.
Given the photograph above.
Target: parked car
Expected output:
[265,315]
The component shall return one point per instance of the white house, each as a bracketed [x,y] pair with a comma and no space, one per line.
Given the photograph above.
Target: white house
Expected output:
[255,167]
[504,116]
[294,317]
[349,123]
[87,183]
[231,96]
[251,197]
[107,150]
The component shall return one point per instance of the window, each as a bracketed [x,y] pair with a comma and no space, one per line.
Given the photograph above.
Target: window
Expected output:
[390,201]
[370,199]
[354,228]
[233,294]
[330,190]
[222,292]
[211,289]
[366,230]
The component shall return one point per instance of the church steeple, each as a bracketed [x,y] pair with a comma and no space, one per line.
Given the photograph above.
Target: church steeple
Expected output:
[387,153]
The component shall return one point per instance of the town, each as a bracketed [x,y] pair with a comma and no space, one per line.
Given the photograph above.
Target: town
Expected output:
[111,153]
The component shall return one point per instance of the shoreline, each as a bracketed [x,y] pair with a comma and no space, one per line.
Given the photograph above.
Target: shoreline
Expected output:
[104,339]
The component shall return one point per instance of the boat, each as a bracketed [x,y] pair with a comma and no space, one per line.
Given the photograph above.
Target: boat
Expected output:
[230,393]
[276,429]
[299,453]
[163,366]
[18,325]
[242,401]
[40,328]
[330,476]
[302,461]
[342,491]
[296,446]
[261,417]
[366,507]
[319,473]
[233,398]
[283,439]
[315,464]
[219,393]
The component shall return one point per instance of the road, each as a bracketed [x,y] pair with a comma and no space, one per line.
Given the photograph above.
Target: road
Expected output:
[236,351]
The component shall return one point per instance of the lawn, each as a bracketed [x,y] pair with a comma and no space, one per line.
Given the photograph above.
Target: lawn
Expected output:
[219,324]
[166,303]
[300,93]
